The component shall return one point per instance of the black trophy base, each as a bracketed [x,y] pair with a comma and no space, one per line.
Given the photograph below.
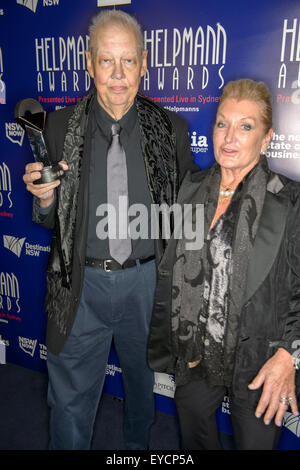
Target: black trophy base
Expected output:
[49,174]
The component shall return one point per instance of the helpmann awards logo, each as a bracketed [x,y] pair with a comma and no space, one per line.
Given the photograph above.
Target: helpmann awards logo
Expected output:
[9,297]
[188,58]
[5,188]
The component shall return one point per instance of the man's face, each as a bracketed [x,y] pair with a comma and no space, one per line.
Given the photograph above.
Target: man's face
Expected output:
[117,69]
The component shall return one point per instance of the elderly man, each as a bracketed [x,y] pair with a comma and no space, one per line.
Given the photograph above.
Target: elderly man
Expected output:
[102,288]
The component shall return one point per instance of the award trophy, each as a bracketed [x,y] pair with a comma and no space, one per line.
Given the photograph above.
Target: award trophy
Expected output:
[30,115]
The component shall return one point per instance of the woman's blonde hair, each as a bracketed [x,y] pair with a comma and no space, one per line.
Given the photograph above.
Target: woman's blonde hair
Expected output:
[247,89]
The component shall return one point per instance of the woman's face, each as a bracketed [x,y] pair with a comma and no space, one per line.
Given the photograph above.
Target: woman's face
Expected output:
[239,134]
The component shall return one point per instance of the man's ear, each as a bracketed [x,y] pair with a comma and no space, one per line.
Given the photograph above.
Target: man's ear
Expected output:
[144,63]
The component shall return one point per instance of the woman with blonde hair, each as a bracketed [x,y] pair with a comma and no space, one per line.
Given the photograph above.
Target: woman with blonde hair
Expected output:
[227,317]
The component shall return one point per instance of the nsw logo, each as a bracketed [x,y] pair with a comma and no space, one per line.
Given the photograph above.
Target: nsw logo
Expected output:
[14,133]
[15,245]
[27,345]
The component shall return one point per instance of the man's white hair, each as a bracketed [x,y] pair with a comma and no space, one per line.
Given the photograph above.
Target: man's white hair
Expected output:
[114,17]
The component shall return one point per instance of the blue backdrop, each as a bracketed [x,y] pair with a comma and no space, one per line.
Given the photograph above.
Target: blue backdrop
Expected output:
[193,49]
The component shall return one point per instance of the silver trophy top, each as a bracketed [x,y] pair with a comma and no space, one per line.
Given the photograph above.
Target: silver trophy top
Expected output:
[30,115]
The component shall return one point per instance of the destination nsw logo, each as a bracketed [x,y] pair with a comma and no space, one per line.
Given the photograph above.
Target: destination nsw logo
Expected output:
[15,245]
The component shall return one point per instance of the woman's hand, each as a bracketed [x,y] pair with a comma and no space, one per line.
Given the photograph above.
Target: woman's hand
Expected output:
[278,379]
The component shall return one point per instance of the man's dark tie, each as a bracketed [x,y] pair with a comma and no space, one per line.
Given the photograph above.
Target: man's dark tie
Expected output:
[117,193]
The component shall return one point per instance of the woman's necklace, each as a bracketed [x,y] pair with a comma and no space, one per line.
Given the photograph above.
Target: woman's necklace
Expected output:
[223,202]
[225,194]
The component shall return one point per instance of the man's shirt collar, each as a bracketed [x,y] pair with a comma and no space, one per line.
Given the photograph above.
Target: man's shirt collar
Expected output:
[105,121]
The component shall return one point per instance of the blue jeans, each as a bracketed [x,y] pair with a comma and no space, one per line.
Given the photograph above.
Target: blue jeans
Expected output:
[115,305]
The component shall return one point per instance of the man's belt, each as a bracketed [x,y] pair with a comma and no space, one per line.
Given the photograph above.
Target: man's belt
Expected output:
[112,265]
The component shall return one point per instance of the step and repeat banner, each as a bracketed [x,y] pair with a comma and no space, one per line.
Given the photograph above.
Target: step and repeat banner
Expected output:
[194,48]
